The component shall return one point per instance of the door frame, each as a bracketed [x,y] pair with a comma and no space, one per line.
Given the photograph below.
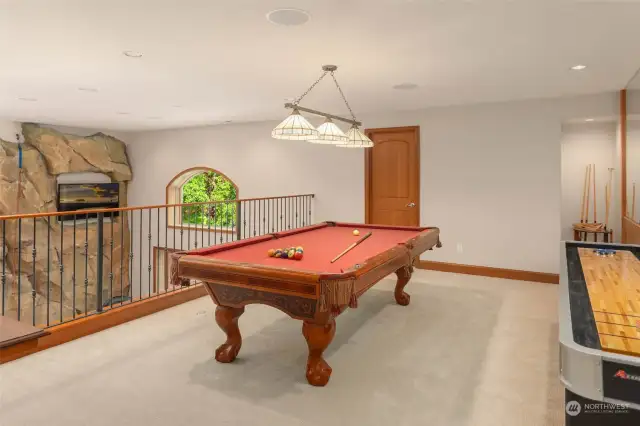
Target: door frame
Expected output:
[368,168]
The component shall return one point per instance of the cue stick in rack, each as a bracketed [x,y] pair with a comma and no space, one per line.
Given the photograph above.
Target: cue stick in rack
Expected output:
[633,202]
[351,247]
[595,213]
[606,206]
[584,194]
[586,217]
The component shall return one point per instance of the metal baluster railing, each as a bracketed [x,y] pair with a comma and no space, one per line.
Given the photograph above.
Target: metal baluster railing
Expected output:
[131,255]
[33,277]
[149,249]
[99,262]
[122,215]
[111,244]
[4,265]
[188,228]
[211,223]
[86,264]
[60,266]
[73,276]
[19,260]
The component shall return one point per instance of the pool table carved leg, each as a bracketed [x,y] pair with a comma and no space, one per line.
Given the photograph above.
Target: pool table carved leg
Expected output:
[318,337]
[227,319]
[404,275]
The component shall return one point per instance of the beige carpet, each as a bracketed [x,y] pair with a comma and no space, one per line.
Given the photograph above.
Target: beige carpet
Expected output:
[467,351]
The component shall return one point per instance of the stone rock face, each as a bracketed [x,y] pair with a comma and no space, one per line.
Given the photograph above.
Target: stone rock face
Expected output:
[41,251]
[38,186]
[66,153]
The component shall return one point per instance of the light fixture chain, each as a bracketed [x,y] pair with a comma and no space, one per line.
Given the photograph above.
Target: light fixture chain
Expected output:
[297,101]
[343,97]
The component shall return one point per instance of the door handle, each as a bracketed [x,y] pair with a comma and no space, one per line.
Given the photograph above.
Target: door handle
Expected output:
[411,205]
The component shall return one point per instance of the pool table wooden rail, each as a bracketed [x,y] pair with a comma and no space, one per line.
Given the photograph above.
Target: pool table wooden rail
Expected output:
[238,284]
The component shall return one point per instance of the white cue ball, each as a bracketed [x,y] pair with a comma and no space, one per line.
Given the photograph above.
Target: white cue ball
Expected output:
[356,232]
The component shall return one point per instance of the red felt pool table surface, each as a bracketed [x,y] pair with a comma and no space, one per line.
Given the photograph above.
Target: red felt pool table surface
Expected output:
[321,243]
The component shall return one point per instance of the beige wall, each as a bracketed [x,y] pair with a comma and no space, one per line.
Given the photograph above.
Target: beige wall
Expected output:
[490,173]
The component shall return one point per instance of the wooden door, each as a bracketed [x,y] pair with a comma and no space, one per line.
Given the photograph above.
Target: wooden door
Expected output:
[392,176]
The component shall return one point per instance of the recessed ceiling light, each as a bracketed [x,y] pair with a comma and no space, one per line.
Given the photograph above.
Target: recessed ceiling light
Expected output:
[578,67]
[123,113]
[227,122]
[177,106]
[27,99]
[288,17]
[132,54]
[154,117]
[87,89]
[588,119]
[405,86]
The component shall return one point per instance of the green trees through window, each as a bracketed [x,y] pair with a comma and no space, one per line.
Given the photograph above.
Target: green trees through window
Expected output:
[215,190]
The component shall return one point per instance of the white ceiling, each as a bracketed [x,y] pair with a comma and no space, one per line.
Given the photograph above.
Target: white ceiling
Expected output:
[634,84]
[207,61]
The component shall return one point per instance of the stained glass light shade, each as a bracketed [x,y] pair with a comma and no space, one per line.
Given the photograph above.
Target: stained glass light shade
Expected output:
[330,134]
[294,127]
[357,139]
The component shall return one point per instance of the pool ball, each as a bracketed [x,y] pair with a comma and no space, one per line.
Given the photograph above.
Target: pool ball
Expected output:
[356,232]
[271,252]
[299,248]
[291,254]
[284,255]
[298,255]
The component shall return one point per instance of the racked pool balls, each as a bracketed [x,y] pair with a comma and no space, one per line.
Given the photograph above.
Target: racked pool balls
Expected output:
[286,253]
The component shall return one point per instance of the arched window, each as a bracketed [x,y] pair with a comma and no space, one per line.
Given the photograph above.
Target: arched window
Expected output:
[211,190]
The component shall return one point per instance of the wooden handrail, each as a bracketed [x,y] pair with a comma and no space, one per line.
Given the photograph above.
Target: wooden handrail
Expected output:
[158,206]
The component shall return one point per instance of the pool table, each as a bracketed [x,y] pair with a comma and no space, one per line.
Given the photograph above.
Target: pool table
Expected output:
[312,289]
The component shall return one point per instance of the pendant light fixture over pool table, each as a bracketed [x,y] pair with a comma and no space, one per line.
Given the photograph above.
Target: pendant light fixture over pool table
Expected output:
[296,127]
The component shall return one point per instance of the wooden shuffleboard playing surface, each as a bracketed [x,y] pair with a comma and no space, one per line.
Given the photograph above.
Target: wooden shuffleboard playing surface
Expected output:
[613,283]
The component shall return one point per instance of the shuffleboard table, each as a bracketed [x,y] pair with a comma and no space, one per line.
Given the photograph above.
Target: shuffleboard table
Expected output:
[312,289]
[599,316]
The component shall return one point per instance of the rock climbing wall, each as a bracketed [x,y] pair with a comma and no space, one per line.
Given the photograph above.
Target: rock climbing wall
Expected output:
[57,265]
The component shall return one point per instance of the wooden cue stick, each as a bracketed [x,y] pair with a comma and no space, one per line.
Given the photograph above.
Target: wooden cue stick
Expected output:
[351,247]
[633,202]
[584,194]
[610,189]
[588,192]
[595,213]
[606,205]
